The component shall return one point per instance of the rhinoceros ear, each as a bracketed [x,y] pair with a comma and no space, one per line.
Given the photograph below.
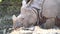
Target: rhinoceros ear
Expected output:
[14,18]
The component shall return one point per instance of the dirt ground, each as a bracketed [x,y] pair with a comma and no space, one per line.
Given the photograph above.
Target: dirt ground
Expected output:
[37,30]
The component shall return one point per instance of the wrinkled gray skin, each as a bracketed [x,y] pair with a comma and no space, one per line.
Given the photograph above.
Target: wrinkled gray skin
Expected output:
[51,10]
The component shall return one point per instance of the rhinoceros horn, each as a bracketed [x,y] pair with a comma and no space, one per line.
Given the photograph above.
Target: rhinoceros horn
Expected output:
[14,18]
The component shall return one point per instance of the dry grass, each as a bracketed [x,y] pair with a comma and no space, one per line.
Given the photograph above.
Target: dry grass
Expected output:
[37,30]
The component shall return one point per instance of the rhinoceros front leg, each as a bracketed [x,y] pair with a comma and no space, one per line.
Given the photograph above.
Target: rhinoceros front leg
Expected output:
[50,23]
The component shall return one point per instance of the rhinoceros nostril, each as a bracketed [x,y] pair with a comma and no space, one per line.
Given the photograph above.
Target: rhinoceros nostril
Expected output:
[17,25]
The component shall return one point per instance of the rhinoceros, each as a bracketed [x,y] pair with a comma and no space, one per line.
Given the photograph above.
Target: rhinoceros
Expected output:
[51,13]
[49,16]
